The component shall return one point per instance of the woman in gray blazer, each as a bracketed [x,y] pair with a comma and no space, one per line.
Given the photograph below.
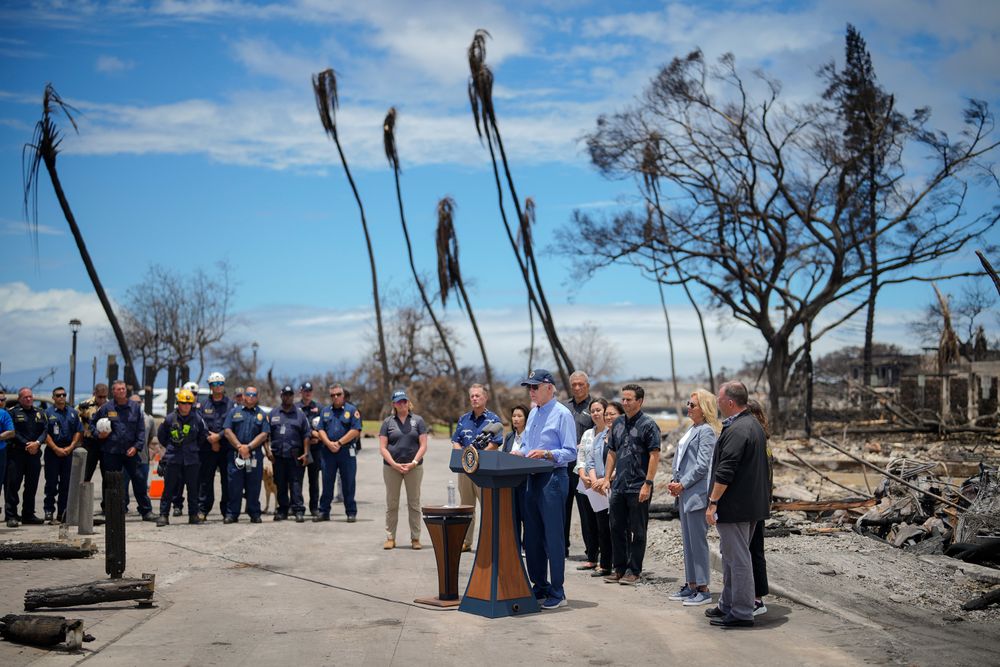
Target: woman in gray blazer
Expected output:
[690,484]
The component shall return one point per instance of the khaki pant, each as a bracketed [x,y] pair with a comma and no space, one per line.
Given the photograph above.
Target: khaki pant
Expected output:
[468,494]
[393,480]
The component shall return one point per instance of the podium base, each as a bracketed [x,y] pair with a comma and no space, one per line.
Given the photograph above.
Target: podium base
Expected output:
[438,602]
[499,608]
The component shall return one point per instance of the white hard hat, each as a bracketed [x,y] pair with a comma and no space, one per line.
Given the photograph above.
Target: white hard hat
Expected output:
[103,425]
[315,422]
[216,377]
[242,463]
[191,386]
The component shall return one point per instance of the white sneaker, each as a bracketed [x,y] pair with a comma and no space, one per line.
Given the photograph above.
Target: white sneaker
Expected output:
[759,608]
[698,598]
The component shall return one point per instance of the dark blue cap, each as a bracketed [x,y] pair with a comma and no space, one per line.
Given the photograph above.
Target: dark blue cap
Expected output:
[306,386]
[287,389]
[399,395]
[537,377]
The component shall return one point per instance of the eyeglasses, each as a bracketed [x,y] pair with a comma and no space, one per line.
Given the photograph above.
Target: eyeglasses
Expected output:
[691,405]
[62,395]
[251,394]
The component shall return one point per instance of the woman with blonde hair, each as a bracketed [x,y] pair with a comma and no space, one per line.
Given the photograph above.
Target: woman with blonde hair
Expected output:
[402,442]
[690,484]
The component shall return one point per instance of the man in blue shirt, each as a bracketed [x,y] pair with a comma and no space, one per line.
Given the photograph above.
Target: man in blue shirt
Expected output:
[339,428]
[246,428]
[634,453]
[290,437]
[65,435]
[121,446]
[182,435]
[24,458]
[470,425]
[311,410]
[6,433]
[551,435]
[215,451]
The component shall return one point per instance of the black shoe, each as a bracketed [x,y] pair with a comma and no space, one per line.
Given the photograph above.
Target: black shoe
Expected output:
[600,573]
[351,518]
[31,521]
[714,612]
[280,517]
[731,622]
[178,511]
[230,519]
[149,516]
[201,517]
[300,518]
[322,517]
[313,512]
[196,520]
[255,519]
[164,520]
[13,523]
[48,517]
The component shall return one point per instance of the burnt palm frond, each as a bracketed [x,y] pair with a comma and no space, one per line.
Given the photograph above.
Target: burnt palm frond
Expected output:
[44,147]
[325,89]
[527,221]
[480,84]
[389,138]
[447,248]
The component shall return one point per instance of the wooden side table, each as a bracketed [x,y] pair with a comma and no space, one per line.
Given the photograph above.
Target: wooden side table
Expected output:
[447,527]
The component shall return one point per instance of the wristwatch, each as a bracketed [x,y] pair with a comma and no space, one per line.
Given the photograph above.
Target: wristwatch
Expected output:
[713,502]
[648,481]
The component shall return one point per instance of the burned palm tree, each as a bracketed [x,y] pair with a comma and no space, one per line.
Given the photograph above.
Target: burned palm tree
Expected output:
[483,113]
[325,88]
[450,273]
[524,243]
[44,148]
[389,139]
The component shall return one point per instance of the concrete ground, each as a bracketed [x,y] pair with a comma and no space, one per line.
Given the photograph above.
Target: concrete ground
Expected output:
[327,593]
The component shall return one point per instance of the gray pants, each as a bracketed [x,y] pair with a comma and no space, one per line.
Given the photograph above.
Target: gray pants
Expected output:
[737,570]
[694,532]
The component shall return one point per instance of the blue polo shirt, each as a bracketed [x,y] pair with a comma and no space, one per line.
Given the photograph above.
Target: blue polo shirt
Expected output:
[6,424]
[246,424]
[337,422]
[63,424]
[289,429]
[128,427]
[469,427]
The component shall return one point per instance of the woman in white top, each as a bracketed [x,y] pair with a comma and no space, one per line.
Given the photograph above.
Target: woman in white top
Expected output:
[690,483]
[593,448]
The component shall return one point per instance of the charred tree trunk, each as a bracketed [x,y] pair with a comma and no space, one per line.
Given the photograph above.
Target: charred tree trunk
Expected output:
[39,630]
[38,550]
[94,592]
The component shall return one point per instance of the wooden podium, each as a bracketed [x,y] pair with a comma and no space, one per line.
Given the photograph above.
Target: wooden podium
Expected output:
[498,585]
[447,527]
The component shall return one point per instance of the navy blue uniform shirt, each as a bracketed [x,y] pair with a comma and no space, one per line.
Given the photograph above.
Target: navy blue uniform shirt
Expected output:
[246,424]
[337,422]
[213,413]
[469,427]
[63,424]
[30,425]
[128,427]
[288,431]
[183,438]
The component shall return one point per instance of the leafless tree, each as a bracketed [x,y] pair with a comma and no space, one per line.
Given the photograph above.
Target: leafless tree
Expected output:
[44,148]
[759,213]
[325,89]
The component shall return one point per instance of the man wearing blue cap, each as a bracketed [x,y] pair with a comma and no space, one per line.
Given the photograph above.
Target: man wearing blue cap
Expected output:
[550,434]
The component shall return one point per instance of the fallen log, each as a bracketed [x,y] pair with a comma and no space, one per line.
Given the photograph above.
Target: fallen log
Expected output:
[823,505]
[39,630]
[36,550]
[979,552]
[95,592]
[983,601]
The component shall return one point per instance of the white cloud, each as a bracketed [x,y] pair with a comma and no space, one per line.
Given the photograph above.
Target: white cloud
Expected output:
[112,64]
[18,227]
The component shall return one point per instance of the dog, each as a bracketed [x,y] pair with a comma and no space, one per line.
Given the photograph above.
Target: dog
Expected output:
[270,488]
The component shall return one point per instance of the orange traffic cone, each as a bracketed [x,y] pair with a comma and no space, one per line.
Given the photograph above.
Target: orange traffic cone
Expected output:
[156,481]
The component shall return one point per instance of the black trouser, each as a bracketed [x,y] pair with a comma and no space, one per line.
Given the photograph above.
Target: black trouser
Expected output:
[288,475]
[628,532]
[758,561]
[93,448]
[588,526]
[569,500]
[178,497]
[26,468]
[177,477]
[604,537]
[210,463]
[314,470]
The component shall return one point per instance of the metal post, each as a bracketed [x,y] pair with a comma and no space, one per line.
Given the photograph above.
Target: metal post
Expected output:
[148,381]
[93,377]
[86,518]
[74,326]
[171,386]
[114,526]
[112,369]
[77,470]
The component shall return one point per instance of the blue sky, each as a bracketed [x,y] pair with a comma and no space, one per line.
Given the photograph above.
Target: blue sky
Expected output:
[199,141]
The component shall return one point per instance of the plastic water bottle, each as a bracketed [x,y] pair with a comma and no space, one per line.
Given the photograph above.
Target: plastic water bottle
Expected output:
[451,493]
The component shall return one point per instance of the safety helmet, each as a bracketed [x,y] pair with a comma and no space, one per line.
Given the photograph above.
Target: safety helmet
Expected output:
[242,463]
[185,396]
[103,425]
[216,377]
[191,386]
[315,422]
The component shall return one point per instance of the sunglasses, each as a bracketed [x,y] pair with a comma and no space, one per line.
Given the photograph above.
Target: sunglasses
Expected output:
[251,394]
[692,405]
[216,384]
[63,395]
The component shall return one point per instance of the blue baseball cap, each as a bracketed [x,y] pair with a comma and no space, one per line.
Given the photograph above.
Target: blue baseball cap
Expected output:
[537,377]
[399,395]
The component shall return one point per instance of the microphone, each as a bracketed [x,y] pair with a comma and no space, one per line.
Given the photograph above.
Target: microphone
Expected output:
[484,437]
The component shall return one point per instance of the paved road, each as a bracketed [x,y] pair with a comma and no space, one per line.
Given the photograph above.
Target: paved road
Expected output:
[327,593]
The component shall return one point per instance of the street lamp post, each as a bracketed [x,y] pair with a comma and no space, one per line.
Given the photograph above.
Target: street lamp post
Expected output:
[74,325]
[255,345]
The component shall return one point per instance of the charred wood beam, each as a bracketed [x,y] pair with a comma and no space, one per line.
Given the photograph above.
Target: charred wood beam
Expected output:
[827,478]
[983,601]
[37,550]
[95,592]
[823,505]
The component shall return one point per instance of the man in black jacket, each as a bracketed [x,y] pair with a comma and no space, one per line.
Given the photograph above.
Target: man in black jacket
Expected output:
[737,501]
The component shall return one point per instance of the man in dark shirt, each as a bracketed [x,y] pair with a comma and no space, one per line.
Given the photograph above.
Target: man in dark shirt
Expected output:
[215,450]
[738,500]
[579,404]
[311,409]
[634,452]
[470,425]
[246,428]
[24,458]
[339,428]
[182,434]
[65,433]
[121,446]
[290,436]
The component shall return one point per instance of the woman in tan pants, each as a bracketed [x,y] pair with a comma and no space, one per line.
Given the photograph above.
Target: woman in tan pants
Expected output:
[402,442]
